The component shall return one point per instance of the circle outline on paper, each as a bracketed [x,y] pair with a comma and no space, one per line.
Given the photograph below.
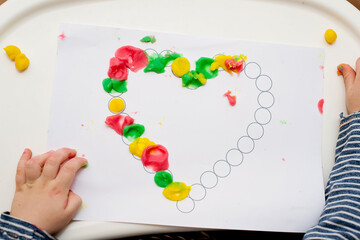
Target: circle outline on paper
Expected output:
[261,99]
[205,174]
[242,147]
[184,201]
[256,67]
[228,165]
[249,133]
[228,158]
[197,199]
[256,118]
[269,81]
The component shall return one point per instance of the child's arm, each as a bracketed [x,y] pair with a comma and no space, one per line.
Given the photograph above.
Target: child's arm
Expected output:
[341,216]
[43,199]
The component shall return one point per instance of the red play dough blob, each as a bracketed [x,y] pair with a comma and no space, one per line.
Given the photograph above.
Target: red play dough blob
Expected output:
[155,157]
[321,105]
[117,69]
[234,66]
[231,99]
[118,122]
[135,58]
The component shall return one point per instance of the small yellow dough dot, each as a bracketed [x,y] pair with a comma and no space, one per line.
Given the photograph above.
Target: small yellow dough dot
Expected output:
[180,66]
[202,78]
[116,105]
[214,66]
[21,62]
[330,36]
[138,145]
[12,51]
[176,191]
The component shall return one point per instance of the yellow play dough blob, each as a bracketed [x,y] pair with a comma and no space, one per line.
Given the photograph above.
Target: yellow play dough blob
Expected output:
[21,62]
[138,145]
[116,105]
[215,65]
[12,51]
[176,191]
[180,66]
[330,36]
[220,62]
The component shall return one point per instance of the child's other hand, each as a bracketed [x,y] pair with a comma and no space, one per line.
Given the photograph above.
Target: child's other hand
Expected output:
[352,86]
[43,196]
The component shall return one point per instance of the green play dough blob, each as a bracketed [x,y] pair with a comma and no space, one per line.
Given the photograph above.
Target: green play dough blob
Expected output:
[162,179]
[191,80]
[112,84]
[203,66]
[119,86]
[107,84]
[148,39]
[133,131]
[158,62]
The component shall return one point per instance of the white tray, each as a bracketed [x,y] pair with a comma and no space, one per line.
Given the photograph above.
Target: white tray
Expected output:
[33,26]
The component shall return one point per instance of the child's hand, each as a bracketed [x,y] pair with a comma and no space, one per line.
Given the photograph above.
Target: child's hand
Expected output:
[352,86]
[43,196]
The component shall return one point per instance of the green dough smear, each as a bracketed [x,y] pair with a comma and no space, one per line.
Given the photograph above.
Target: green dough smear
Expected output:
[158,62]
[162,179]
[203,66]
[133,131]
[191,80]
[111,85]
[148,39]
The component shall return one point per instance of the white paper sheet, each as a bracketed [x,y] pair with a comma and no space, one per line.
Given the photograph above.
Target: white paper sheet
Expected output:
[276,186]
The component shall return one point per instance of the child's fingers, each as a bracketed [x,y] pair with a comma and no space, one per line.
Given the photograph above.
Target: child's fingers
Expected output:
[348,74]
[68,171]
[33,167]
[73,204]
[20,172]
[53,162]
[357,68]
[41,159]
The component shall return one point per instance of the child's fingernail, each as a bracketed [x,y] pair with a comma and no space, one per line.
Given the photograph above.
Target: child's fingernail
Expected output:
[85,165]
[70,190]
[339,70]
[27,151]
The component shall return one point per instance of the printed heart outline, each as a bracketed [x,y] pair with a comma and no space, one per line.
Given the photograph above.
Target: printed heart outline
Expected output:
[238,149]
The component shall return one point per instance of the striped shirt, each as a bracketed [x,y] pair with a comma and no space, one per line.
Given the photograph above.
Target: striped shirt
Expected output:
[341,216]
[15,228]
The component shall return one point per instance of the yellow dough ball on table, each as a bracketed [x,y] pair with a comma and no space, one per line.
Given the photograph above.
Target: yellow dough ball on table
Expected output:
[180,66]
[330,36]
[12,51]
[21,62]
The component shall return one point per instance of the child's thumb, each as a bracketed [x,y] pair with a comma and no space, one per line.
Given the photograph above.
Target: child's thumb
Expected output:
[74,203]
[27,154]
[357,68]
[348,74]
